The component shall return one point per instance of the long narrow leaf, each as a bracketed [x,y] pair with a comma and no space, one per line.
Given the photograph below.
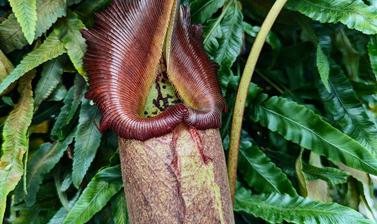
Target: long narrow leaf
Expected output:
[41,162]
[87,141]
[51,48]
[260,172]
[355,14]
[26,14]
[48,11]
[372,50]
[15,141]
[222,36]
[302,126]
[95,196]
[119,208]
[50,78]
[276,208]
[346,110]
[202,10]
[67,112]
[73,41]
[323,66]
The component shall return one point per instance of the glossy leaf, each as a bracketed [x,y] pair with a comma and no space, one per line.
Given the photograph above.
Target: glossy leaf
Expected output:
[49,49]
[302,126]
[26,14]
[346,110]
[222,36]
[355,14]
[15,141]
[95,196]
[71,103]
[87,141]
[276,208]
[260,172]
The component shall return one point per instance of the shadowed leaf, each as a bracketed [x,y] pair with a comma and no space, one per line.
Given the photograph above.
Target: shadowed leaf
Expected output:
[87,141]
[323,67]
[202,10]
[71,103]
[50,78]
[41,162]
[260,172]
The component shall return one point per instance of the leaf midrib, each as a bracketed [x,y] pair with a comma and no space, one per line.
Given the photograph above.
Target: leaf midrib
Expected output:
[320,137]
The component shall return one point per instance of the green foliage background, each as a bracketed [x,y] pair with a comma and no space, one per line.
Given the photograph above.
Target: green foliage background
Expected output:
[309,141]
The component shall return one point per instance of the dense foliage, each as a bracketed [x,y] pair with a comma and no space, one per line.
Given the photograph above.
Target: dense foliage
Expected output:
[309,142]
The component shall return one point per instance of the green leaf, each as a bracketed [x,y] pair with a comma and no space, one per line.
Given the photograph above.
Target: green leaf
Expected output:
[346,110]
[48,12]
[323,66]
[73,41]
[88,139]
[50,78]
[260,172]
[71,103]
[58,94]
[119,208]
[202,10]
[250,30]
[5,66]
[95,196]
[302,126]
[40,163]
[51,48]
[15,141]
[276,208]
[331,175]
[60,215]
[11,36]
[351,57]
[223,36]
[26,14]
[372,50]
[355,14]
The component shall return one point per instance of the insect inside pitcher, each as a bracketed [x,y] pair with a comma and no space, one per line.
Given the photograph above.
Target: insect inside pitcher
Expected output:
[124,49]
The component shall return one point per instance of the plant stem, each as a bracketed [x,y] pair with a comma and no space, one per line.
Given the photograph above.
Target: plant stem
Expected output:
[243,89]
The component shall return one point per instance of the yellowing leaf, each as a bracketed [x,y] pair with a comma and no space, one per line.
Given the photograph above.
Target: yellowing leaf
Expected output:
[15,141]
